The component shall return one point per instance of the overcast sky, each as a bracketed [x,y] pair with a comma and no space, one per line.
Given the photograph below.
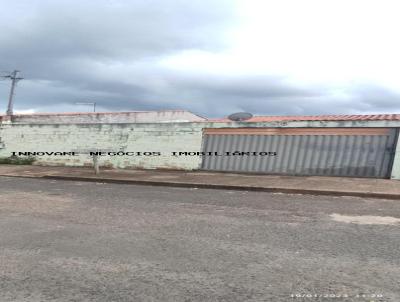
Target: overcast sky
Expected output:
[212,57]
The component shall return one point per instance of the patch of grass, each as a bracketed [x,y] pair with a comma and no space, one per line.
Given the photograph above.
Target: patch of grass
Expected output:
[15,160]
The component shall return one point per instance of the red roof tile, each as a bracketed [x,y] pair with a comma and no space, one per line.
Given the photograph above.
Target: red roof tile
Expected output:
[370,117]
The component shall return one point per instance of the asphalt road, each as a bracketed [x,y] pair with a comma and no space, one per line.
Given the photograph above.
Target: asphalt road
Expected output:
[76,241]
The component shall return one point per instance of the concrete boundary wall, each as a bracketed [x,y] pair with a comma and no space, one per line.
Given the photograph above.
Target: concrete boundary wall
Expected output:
[139,137]
[164,138]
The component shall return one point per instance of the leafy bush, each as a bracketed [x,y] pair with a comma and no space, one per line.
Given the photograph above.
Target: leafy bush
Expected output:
[15,160]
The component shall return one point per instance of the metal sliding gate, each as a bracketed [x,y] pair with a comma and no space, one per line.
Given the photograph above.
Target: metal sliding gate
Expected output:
[353,152]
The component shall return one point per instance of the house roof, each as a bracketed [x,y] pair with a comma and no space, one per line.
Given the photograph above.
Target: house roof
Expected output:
[96,113]
[254,119]
[369,117]
[103,117]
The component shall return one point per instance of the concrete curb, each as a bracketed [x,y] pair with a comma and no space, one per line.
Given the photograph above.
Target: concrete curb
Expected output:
[227,187]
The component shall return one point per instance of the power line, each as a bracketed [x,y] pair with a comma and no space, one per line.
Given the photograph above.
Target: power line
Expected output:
[14,80]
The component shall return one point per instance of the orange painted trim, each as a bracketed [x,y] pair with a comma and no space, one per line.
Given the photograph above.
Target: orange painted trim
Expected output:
[297,131]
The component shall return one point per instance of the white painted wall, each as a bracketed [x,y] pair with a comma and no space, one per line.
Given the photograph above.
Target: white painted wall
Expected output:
[396,163]
[164,138]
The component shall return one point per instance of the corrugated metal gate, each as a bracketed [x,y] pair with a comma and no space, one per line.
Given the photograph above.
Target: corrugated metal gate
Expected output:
[354,152]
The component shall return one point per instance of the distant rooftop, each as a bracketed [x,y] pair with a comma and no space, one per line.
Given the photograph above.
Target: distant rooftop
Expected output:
[369,117]
[99,112]
[177,116]
[162,116]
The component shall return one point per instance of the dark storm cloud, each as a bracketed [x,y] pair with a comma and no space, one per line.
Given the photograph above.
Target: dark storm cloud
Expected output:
[57,44]
[268,95]
[372,96]
[109,51]
[111,30]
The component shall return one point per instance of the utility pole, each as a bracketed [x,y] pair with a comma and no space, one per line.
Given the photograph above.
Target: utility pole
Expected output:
[14,79]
